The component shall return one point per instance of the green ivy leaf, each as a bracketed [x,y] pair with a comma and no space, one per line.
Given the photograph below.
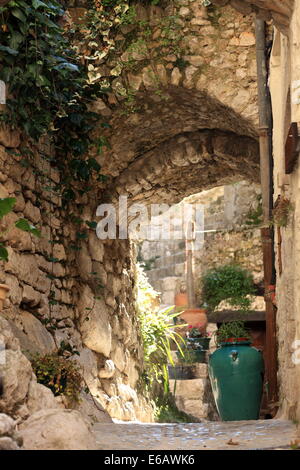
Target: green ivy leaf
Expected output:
[15,41]
[19,14]
[3,253]
[94,164]
[37,3]
[9,50]
[6,205]
[24,225]
[67,66]
[81,235]
[92,225]
[24,163]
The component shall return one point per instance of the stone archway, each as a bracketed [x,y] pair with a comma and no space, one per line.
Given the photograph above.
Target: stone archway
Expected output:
[177,146]
[181,119]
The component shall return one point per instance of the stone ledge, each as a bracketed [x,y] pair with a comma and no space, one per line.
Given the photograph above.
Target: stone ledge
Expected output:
[229,315]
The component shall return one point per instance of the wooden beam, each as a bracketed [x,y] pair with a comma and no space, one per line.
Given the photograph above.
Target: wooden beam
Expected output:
[233,315]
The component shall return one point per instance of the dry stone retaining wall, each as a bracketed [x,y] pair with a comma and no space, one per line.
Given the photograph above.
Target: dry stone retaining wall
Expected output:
[54,301]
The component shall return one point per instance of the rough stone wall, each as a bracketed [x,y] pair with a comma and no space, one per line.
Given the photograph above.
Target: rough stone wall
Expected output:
[54,285]
[188,131]
[279,11]
[173,110]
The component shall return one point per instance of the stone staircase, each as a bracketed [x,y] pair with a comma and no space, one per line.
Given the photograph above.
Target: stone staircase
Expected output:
[166,275]
[194,395]
[170,265]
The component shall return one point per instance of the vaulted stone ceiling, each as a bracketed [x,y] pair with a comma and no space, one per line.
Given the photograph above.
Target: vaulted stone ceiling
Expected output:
[177,146]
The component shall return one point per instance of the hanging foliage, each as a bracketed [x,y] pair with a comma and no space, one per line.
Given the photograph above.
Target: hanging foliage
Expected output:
[48,89]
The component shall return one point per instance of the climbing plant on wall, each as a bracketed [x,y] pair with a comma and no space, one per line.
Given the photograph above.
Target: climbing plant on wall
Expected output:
[101,39]
[48,93]
[6,206]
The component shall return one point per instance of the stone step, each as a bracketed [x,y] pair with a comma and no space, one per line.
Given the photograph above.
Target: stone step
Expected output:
[199,369]
[160,274]
[169,260]
[191,389]
[193,407]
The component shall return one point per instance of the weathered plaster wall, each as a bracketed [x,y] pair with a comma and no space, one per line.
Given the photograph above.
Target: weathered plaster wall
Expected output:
[285,72]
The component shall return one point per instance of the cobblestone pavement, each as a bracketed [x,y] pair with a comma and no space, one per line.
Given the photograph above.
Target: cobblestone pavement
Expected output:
[238,435]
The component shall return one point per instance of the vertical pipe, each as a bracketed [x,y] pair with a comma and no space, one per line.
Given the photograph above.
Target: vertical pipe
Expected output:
[265,121]
[266,174]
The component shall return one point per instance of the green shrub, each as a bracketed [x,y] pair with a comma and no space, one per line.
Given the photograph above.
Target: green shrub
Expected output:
[232,329]
[61,375]
[229,282]
[48,89]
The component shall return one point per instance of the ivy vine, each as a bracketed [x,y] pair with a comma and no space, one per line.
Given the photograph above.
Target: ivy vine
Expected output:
[48,89]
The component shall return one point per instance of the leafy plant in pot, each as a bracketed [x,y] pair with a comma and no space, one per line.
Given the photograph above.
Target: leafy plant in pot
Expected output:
[196,338]
[230,282]
[197,343]
[232,332]
[236,373]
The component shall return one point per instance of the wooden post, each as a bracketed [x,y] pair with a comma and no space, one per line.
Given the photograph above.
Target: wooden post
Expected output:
[271,343]
[189,238]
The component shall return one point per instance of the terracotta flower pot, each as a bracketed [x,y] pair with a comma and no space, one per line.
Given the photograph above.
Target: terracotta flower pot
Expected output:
[195,317]
[3,293]
[181,299]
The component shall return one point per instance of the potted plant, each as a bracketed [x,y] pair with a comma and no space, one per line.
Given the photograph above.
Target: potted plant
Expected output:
[196,317]
[236,374]
[195,336]
[191,355]
[230,282]
[197,343]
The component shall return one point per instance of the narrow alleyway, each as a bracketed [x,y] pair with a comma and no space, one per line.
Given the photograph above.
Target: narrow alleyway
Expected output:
[243,435]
